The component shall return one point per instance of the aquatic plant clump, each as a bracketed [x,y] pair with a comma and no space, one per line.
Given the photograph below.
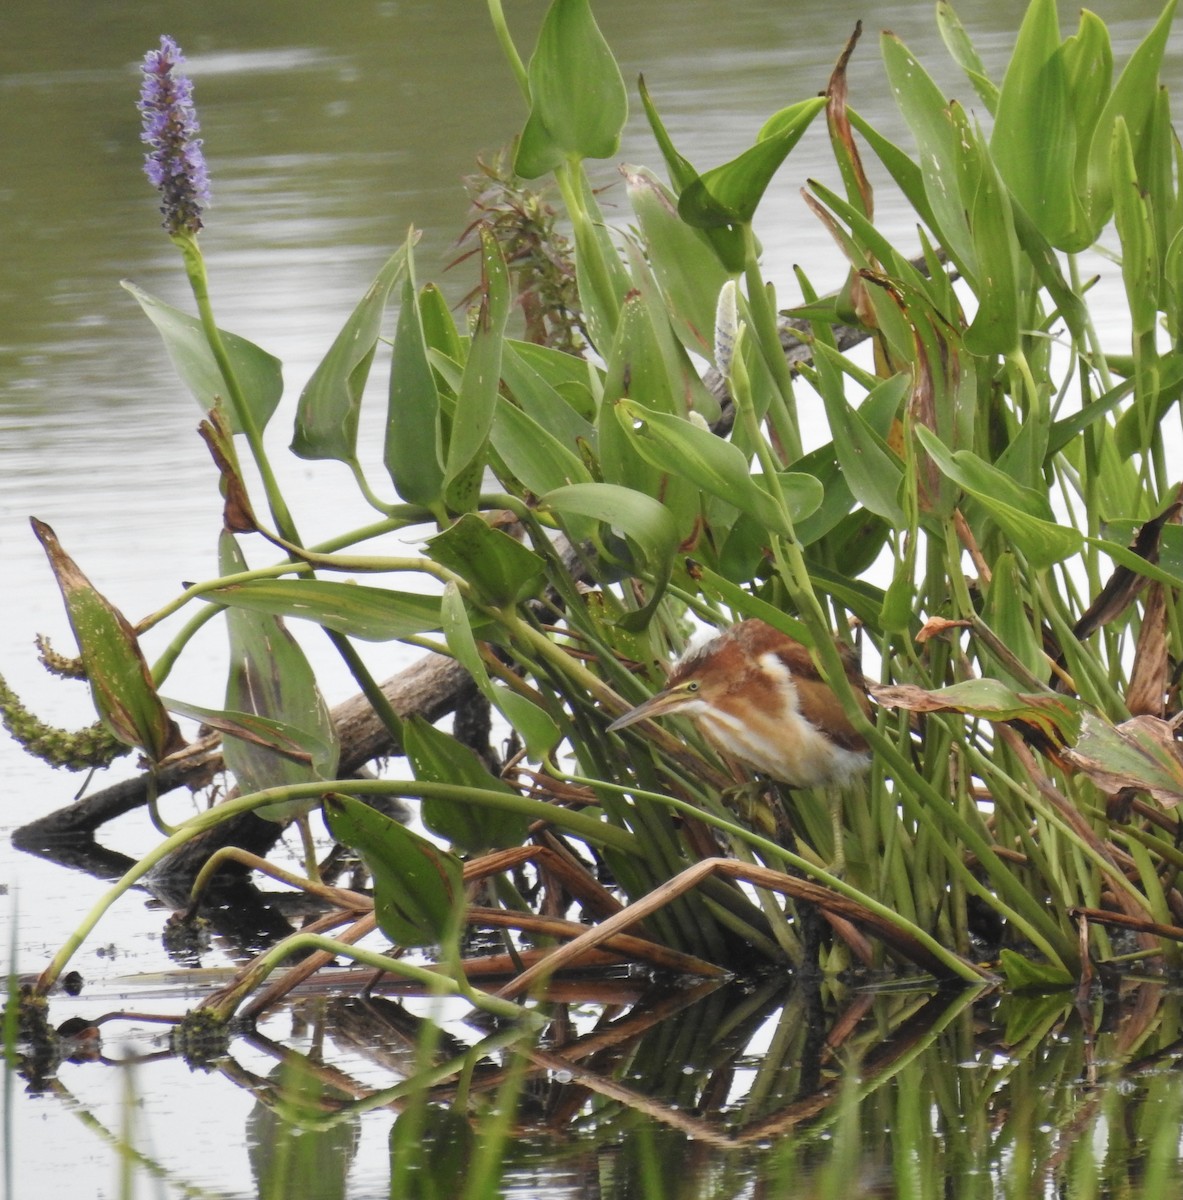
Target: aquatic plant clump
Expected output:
[175,164]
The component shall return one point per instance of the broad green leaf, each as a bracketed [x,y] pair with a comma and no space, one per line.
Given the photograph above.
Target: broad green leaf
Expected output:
[927,114]
[120,683]
[277,737]
[1132,100]
[907,174]
[685,263]
[995,327]
[1034,140]
[578,104]
[439,329]
[538,731]
[1088,70]
[1056,715]
[870,469]
[575,379]
[418,888]
[962,49]
[414,440]
[728,242]
[532,455]
[730,194]
[635,368]
[645,522]
[1023,975]
[439,758]
[476,400]
[259,374]
[714,464]
[555,408]
[1022,514]
[370,613]
[1135,228]
[500,569]
[269,677]
[330,404]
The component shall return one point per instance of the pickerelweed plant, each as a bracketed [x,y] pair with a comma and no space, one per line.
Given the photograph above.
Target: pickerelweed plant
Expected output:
[589,508]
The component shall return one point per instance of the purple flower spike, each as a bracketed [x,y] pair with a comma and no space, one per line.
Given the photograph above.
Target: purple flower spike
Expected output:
[175,164]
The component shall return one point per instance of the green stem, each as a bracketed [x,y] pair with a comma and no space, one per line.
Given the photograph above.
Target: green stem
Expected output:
[434,981]
[199,282]
[595,832]
[505,41]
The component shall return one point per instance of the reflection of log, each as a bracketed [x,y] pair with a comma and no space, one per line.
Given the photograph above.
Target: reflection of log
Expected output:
[430,686]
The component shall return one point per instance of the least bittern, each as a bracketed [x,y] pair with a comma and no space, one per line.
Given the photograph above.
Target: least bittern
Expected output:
[756,694]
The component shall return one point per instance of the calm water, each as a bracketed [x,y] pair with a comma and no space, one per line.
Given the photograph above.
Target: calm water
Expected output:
[330,127]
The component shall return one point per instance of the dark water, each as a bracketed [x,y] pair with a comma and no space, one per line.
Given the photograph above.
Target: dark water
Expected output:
[330,127]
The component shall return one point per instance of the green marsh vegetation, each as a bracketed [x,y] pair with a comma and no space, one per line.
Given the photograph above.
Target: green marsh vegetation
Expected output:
[607,450]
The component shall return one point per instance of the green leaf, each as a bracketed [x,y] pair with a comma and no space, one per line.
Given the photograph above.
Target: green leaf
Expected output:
[1135,228]
[500,569]
[1034,138]
[554,404]
[477,399]
[995,327]
[275,736]
[259,374]
[684,261]
[413,450]
[1132,100]
[872,472]
[533,456]
[730,194]
[1088,70]
[962,49]
[437,757]
[1023,975]
[370,613]
[1022,514]
[578,104]
[927,115]
[418,888]
[538,731]
[269,677]
[714,464]
[645,522]
[120,683]
[330,404]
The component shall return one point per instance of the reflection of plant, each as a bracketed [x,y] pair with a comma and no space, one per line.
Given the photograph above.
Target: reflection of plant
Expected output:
[584,508]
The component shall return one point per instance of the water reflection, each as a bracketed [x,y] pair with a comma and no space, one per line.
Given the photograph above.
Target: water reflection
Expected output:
[331,126]
[814,1090]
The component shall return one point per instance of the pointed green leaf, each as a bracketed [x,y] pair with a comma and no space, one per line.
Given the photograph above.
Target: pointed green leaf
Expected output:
[259,374]
[538,731]
[501,570]
[730,194]
[413,450]
[578,104]
[1132,100]
[437,757]
[712,463]
[927,114]
[962,49]
[645,522]
[330,404]
[872,472]
[418,888]
[477,399]
[120,683]
[370,613]
[1013,507]
[1034,138]
[685,263]
[270,677]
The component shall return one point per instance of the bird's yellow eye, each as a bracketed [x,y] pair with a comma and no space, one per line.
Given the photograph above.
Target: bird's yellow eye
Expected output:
[692,685]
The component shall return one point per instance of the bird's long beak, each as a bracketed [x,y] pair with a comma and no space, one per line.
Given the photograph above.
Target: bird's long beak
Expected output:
[655,706]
